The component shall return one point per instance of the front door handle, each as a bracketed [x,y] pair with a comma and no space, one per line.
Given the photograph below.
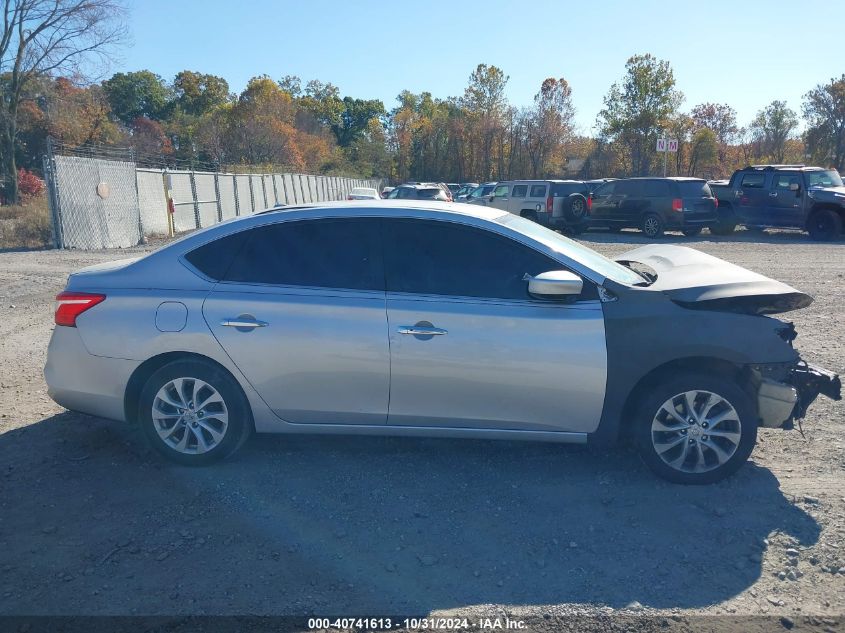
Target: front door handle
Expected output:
[418,330]
[240,323]
[773,194]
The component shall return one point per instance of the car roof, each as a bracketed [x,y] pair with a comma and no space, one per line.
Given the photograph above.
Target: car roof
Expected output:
[420,185]
[470,210]
[783,167]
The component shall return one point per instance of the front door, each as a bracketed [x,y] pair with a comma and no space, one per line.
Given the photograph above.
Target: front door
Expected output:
[301,312]
[501,197]
[471,349]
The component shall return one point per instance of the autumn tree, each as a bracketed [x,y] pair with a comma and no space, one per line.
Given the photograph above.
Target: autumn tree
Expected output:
[824,111]
[485,106]
[44,38]
[771,129]
[551,125]
[638,108]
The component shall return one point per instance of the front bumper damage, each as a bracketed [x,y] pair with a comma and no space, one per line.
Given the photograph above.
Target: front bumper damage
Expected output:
[785,392]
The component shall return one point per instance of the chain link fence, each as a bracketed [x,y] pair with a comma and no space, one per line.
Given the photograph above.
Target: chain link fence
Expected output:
[110,203]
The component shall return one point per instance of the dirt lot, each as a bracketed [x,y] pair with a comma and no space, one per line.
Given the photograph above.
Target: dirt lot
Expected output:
[91,522]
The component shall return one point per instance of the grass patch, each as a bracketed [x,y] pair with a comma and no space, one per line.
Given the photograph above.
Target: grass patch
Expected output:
[26,225]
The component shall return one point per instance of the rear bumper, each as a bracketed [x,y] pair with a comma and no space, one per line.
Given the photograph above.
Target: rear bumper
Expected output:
[80,381]
[689,220]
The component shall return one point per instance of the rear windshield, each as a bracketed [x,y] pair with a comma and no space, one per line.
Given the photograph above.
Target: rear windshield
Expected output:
[568,188]
[695,189]
[429,193]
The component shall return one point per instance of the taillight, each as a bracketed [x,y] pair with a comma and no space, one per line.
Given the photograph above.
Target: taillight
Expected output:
[716,202]
[69,305]
[590,202]
[677,204]
[550,204]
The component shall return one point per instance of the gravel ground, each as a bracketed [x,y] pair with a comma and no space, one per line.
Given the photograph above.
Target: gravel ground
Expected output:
[93,523]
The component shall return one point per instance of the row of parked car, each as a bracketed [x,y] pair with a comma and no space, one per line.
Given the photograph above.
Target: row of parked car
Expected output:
[758,196]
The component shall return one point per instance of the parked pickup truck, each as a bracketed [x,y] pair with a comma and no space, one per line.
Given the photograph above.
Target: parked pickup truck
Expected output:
[783,196]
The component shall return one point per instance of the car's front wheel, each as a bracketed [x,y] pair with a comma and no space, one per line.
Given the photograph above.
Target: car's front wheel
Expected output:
[696,428]
[194,413]
[824,225]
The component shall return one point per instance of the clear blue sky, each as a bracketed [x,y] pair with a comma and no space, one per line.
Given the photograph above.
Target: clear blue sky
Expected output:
[745,53]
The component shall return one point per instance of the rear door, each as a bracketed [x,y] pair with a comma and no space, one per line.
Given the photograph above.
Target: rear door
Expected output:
[752,197]
[784,199]
[633,200]
[301,312]
[518,196]
[471,348]
[698,200]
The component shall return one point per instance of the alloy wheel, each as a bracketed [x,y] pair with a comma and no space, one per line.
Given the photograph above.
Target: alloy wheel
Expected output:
[651,226]
[190,415]
[696,431]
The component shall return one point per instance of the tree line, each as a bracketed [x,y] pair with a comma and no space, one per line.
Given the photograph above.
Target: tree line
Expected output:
[195,120]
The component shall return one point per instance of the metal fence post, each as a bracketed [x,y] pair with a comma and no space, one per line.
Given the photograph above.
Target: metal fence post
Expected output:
[251,193]
[217,195]
[195,200]
[237,197]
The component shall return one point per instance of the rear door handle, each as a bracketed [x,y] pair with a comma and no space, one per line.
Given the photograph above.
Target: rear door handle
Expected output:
[417,330]
[243,323]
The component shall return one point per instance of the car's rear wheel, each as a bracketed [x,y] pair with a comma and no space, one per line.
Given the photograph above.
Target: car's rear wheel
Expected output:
[194,413]
[696,428]
[824,225]
[692,231]
[652,225]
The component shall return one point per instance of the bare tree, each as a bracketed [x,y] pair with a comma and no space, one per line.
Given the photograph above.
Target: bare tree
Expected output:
[46,38]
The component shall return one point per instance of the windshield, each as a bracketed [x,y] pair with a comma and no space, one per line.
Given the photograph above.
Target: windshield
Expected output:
[573,250]
[827,178]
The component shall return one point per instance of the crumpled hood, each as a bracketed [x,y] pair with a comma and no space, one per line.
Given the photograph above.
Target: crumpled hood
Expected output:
[697,280]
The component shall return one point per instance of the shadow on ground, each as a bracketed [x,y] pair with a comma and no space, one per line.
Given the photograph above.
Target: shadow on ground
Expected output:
[92,523]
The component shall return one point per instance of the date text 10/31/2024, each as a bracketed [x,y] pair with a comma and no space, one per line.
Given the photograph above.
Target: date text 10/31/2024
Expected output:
[419,624]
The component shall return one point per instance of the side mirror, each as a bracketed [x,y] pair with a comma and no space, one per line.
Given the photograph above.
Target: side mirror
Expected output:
[490,199]
[555,284]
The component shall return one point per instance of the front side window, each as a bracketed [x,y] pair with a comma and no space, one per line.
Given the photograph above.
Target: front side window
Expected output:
[444,258]
[786,180]
[325,253]
[501,191]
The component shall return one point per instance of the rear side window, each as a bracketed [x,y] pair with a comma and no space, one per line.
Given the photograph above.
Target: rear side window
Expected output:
[329,253]
[430,194]
[753,180]
[443,258]
[694,189]
[213,259]
[519,191]
[607,189]
[538,191]
[658,189]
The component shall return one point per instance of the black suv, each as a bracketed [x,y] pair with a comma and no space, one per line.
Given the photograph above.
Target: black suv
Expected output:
[654,205]
[784,196]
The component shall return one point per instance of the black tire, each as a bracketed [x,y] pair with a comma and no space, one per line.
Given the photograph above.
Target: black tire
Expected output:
[652,225]
[239,425]
[692,231]
[824,225]
[529,215]
[651,408]
[727,222]
[575,209]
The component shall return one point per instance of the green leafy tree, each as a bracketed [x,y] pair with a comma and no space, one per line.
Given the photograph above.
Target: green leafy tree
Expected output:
[773,126]
[824,111]
[137,94]
[638,108]
[197,94]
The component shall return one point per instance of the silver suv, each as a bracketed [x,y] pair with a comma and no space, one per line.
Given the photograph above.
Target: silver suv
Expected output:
[558,204]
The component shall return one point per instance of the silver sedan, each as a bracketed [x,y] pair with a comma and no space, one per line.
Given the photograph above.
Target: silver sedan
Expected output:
[431,319]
